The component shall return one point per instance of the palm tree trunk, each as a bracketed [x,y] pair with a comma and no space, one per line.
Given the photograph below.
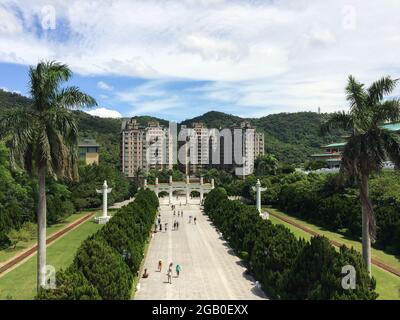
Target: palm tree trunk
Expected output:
[366,238]
[41,230]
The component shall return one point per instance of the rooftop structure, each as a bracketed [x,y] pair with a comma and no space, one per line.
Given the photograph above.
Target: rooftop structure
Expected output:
[333,151]
[89,151]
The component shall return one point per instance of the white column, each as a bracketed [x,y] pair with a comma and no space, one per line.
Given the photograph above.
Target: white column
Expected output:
[187,189]
[105,191]
[212,183]
[170,189]
[258,195]
[201,190]
[258,190]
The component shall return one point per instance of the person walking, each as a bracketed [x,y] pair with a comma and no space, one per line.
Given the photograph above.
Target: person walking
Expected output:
[178,270]
[160,227]
[166,225]
[177,225]
[169,273]
[195,219]
[159,265]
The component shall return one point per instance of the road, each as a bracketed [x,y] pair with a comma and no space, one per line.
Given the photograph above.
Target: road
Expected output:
[210,269]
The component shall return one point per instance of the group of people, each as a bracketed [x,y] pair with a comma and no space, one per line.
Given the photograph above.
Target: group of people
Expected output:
[194,219]
[178,269]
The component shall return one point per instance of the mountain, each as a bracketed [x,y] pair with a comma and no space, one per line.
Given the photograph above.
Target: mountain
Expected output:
[215,119]
[291,137]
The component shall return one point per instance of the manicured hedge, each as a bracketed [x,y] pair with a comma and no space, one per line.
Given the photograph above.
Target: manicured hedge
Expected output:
[106,263]
[286,267]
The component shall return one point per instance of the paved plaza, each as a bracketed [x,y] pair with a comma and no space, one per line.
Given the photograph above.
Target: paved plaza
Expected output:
[210,269]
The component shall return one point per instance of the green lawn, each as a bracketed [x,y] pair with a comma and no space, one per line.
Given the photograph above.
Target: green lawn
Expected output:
[22,246]
[20,283]
[387,284]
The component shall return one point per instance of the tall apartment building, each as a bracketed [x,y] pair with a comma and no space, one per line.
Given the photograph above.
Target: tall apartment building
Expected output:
[144,147]
[151,147]
[231,148]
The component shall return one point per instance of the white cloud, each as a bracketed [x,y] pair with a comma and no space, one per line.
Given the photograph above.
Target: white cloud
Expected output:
[288,54]
[105,113]
[104,86]
[11,91]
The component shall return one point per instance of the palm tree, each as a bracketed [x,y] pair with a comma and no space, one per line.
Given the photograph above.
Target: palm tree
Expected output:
[266,164]
[369,144]
[43,137]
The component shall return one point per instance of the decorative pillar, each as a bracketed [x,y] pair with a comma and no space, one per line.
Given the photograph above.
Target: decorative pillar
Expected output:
[201,190]
[258,190]
[105,191]
[170,189]
[187,189]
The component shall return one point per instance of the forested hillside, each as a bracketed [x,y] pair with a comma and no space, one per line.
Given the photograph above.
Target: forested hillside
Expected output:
[291,137]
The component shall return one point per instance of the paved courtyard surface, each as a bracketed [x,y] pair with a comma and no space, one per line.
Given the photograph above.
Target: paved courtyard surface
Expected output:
[210,270]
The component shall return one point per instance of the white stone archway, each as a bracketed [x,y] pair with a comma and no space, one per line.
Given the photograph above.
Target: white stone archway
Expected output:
[202,188]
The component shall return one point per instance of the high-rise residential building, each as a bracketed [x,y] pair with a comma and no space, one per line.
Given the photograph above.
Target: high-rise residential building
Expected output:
[144,147]
[151,147]
[231,148]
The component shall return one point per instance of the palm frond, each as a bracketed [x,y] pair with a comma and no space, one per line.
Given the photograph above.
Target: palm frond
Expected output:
[45,80]
[380,88]
[355,94]
[337,120]
[387,111]
[73,98]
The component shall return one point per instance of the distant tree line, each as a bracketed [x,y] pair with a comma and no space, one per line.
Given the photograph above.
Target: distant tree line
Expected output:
[286,267]
[107,262]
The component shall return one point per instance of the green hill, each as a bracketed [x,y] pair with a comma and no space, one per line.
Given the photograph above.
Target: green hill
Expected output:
[292,137]
[215,119]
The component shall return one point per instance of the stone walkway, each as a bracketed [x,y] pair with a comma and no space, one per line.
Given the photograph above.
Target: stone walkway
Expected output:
[210,270]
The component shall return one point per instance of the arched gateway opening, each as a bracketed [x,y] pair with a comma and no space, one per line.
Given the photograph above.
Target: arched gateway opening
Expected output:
[183,192]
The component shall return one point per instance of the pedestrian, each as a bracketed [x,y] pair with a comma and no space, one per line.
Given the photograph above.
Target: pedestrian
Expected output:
[145,274]
[177,225]
[159,221]
[160,227]
[166,225]
[190,219]
[159,265]
[178,270]
[169,275]
[174,213]
[195,220]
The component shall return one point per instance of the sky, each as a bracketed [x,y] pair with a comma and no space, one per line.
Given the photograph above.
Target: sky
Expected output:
[179,59]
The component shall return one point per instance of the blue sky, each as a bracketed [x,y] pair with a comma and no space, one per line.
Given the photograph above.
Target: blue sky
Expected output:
[179,59]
